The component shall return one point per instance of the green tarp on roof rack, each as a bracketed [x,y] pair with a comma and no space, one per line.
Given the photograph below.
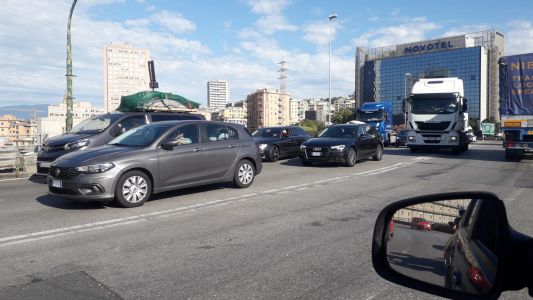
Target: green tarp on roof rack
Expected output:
[156,101]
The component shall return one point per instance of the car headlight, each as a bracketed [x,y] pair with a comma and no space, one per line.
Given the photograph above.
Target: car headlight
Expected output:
[303,147]
[263,146]
[411,138]
[98,168]
[77,144]
[453,139]
[338,147]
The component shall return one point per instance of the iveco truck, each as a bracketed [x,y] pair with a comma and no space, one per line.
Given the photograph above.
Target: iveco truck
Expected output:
[379,115]
[436,115]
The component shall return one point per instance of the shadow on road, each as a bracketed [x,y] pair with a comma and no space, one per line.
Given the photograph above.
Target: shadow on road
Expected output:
[439,247]
[62,203]
[472,154]
[296,162]
[189,191]
[414,263]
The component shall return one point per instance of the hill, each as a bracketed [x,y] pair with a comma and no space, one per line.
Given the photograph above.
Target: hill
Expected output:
[24,115]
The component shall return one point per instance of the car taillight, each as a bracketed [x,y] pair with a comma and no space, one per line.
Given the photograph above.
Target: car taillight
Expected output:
[477,278]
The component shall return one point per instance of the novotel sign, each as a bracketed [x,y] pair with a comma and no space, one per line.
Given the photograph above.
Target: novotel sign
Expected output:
[433,46]
[428,47]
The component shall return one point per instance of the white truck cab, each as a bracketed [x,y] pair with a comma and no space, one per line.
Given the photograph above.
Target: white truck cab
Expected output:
[436,114]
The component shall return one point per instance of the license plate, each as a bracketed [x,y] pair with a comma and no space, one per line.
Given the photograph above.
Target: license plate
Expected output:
[44,164]
[316,153]
[432,138]
[57,183]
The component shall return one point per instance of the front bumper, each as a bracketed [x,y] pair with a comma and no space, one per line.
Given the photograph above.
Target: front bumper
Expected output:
[324,155]
[85,187]
[45,159]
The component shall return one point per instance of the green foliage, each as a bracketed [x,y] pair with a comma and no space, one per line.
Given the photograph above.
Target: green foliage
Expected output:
[342,116]
[311,126]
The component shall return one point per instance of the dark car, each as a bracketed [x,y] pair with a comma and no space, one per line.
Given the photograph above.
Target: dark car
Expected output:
[99,130]
[280,142]
[420,223]
[157,157]
[401,138]
[471,254]
[344,144]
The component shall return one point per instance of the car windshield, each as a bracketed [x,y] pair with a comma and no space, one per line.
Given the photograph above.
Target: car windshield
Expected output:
[430,104]
[267,132]
[141,136]
[339,132]
[94,124]
[369,116]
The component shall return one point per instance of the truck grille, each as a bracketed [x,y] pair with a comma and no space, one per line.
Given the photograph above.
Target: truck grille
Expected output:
[433,126]
[63,173]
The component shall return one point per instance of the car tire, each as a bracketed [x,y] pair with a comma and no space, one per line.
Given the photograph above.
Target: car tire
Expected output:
[273,153]
[244,174]
[133,189]
[307,162]
[351,157]
[379,153]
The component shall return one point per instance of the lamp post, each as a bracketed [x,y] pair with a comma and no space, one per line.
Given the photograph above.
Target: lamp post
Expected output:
[405,96]
[68,125]
[331,17]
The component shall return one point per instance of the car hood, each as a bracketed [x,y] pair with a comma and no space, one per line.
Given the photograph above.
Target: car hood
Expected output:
[65,138]
[266,140]
[101,154]
[327,142]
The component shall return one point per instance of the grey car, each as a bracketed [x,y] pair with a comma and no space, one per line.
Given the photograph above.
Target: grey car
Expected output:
[155,158]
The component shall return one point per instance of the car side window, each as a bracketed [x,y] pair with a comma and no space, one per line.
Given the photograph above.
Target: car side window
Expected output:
[360,130]
[185,135]
[218,132]
[172,117]
[486,229]
[131,122]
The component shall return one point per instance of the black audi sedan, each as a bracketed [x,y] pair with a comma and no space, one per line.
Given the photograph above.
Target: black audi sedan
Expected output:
[344,144]
[280,142]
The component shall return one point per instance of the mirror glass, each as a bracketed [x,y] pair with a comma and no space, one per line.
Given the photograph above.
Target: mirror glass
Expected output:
[450,243]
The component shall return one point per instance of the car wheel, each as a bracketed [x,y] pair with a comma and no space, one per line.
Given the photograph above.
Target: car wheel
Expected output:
[379,153]
[244,174]
[133,189]
[351,158]
[306,162]
[273,153]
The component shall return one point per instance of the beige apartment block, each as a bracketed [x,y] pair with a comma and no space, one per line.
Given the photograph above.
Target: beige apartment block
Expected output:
[16,132]
[266,108]
[125,73]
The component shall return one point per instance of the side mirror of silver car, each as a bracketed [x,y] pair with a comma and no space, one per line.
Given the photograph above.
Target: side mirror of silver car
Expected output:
[455,245]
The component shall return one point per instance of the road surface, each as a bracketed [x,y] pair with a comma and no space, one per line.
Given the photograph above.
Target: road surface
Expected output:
[297,232]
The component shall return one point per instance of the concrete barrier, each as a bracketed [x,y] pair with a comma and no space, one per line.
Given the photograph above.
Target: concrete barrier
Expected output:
[8,159]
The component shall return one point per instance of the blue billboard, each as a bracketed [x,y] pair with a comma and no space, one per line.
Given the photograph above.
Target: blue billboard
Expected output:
[516,85]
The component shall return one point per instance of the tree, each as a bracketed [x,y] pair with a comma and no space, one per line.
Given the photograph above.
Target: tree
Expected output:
[342,116]
[311,126]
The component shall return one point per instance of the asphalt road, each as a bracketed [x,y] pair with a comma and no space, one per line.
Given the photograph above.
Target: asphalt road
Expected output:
[418,254]
[298,232]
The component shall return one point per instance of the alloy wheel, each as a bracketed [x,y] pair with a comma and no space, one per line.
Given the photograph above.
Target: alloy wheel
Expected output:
[134,189]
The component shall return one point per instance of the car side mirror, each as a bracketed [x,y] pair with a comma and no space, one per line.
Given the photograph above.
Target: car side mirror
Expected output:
[404,105]
[465,104]
[169,144]
[424,243]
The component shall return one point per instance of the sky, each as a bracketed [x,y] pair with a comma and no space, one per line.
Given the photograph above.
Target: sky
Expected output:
[192,42]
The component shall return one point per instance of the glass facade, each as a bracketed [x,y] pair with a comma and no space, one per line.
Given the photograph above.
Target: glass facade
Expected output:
[392,78]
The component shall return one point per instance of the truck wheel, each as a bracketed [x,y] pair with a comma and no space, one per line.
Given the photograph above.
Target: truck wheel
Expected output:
[513,154]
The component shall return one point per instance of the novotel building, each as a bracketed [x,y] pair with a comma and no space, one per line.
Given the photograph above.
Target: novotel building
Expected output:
[387,73]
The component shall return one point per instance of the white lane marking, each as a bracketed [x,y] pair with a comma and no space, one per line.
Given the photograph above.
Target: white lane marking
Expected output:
[11,179]
[302,188]
[514,195]
[47,234]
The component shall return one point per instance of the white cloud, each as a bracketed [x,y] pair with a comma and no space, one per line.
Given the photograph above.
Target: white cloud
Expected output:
[318,33]
[465,29]
[272,19]
[414,30]
[175,22]
[272,23]
[268,7]
[138,22]
[519,38]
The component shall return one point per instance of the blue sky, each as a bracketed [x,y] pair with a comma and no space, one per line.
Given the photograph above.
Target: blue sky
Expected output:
[240,41]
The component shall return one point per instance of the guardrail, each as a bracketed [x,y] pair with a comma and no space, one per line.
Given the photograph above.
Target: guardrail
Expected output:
[9,159]
[16,161]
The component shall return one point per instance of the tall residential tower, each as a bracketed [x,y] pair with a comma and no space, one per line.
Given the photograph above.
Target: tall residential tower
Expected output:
[217,94]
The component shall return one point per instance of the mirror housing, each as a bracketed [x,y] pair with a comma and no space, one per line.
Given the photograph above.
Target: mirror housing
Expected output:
[465,104]
[169,144]
[404,105]
[508,267]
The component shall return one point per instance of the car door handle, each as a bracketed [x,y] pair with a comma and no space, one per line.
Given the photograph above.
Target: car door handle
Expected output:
[198,149]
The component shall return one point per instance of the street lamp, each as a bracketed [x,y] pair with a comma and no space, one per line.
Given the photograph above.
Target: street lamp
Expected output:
[405,96]
[331,17]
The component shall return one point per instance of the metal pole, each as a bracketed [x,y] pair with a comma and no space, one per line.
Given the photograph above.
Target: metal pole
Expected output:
[68,125]
[331,17]
[405,96]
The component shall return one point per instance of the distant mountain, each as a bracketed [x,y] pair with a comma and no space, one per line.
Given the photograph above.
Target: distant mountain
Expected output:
[20,112]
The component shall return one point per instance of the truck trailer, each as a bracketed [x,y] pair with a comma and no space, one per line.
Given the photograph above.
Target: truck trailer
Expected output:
[437,115]
[378,115]
[516,104]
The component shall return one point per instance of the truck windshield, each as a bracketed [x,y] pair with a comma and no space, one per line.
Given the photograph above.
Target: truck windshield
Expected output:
[94,124]
[366,116]
[432,104]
